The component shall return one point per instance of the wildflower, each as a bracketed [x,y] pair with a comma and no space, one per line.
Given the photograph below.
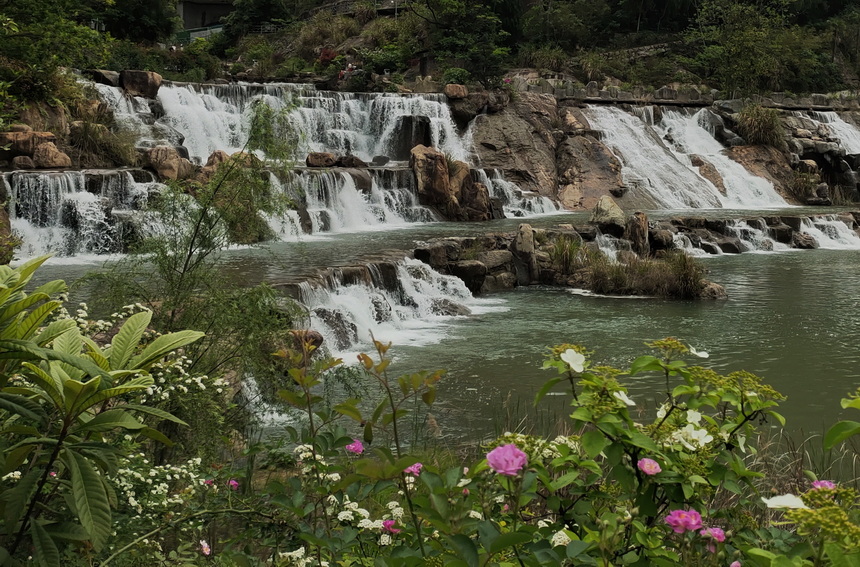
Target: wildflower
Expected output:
[209,482]
[649,466]
[784,501]
[560,538]
[414,469]
[573,359]
[204,548]
[735,564]
[52,473]
[388,526]
[694,417]
[714,533]
[684,520]
[356,447]
[827,484]
[345,516]
[507,80]
[507,460]
[699,353]
[385,539]
[233,484]
[622,397]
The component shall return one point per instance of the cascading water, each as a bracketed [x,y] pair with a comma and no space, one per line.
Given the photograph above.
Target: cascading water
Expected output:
[753,236]
[831,233]
[414,312]
[515,201]
[648,164]
[74,212]
[848,134]
[693,135]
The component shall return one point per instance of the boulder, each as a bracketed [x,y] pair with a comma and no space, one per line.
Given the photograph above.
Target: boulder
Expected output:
[636,231]
[432,178]
[20,128]
[475,203]
[496,260]
[587,171]
[464,110]
[216,158]
[807,166]
[661,239]
[104,77]
[350,161]
[456,92]
[43,117]
[472,272]
[47,156]
[729,245]
[412,130]
[709,172]
[23,162]
[803,241]
[379,161]
[167,162]
[713,291]
[24,143]
[7,238]
[320,159]
[362,179]
[608,217]
[301,337]
[523,249]
[448,308]
[140,83]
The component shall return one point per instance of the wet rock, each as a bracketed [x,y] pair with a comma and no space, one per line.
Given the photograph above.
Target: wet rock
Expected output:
[608,217]
[713,291]
[320,159]
[636,231]
[803,241]
[140,83]
[379,161]
[344,331]
[729,245]
[587,171]
[523,249]
[781,232]
[167,162]
[23,162]
[47,156]
[472,272]
[709,172]
[448,308]
[499,282]
[661,239]
[362,178]
[350,161]
[104,77]
[808,166]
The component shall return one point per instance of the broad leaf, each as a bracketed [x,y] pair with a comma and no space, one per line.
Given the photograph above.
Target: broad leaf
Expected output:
[90,498]
[18,497]
[154,412]
[840,432]
[19,405]
[44,548]
[108,421]
[162,346]
[127,339]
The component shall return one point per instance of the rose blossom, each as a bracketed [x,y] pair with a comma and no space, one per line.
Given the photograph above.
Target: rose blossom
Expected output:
[204,547]
[649,466]
[507,460]
[735,564]
[388,526]
[356,447]
[233,484]
[684,520]
[414,469]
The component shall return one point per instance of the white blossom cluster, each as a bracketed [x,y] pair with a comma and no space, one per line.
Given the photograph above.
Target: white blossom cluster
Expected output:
[172,377]
[298,558]
[92,327]
[14,475]
[691,435]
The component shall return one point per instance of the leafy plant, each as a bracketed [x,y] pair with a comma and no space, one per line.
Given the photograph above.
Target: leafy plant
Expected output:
[761,125]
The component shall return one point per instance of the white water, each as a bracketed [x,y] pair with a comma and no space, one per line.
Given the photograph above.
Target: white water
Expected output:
[515,201]
[683,242]
[417,313]
[848,134]
[754,236]
[648,164]
[831,233]
[691,135]
[52,212]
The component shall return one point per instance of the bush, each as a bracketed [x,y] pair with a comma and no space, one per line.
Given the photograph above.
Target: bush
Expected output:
[676,275]
[760,125]
[456,75]
[543,57]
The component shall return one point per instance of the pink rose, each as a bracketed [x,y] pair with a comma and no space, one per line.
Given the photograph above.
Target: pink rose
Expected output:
[233,484]
[715,533]
[388,526]
[735,564]
[356,447]
[649,466]
[684,520]
[507,460]
[414,469]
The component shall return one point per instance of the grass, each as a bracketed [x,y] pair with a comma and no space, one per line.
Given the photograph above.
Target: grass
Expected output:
[761,126]
[675,275]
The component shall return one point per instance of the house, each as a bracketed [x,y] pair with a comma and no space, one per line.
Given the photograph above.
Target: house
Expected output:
[203,13]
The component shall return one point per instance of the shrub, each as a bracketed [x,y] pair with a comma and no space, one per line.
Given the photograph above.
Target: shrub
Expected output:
[456,75]
[760,125]
[565,253]
[551,58]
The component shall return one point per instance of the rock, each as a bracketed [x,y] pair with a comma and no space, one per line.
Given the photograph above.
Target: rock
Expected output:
[23,162]
[79,130]
[104,77]
[167,162]
[574,121]
[713,291]
[709,172]
[20,128]
[822,191]
[217,158]
[448,308]
[435,255]
[767,162]
[803,241]
[807,166]
[24,143]
[587,171]
[636,231]
[456,92]
[47,156]
[729,245]
[379,161]
[818,202]
[301,337]
[496,260]
[472,272]
[523,249]
[350,161]
[475,203]
[464,110]
[140,83]
[43,117]
[362,178]
[320,159]
[796,223]
[345,332]
[781,232]
[431,173]
[608,217]
[661,239]
[500,282]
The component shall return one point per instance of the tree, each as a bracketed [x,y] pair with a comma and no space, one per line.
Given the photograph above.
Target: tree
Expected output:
[146,21]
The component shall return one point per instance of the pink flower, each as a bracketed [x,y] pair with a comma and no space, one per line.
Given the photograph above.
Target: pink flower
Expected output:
[208,482]
[735,564]
[356,447]
[828,484]
[649,466]
[204,547]
[52,473]
[233,484]
[388,526]
[414,469]
[714,533]
[684,520]
[507,460]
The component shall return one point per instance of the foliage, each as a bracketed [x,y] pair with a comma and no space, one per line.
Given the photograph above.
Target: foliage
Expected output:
[566,253]
[96,140]
[145,21]
[456,76]
[760,125]
[324,29]
[543,57]
[64,398]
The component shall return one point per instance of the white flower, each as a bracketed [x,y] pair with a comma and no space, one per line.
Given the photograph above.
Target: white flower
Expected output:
[543,524]
[622,397]
[699,353]
[476,515]
[560,538]
[694,417]
[784,501]
[573,359]
[345,516]
[385,539]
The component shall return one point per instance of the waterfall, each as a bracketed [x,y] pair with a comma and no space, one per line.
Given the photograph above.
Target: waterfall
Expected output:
[415,310]
[693,135]
[848,134]
[753,235]
[831,233]
[216,117]
[611,246]
[648,164]
[74,212]
[682,241]
[515,201]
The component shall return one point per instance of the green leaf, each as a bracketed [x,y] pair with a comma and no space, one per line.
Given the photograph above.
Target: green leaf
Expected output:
[839,558]
[644,364]
[850,403]
[35,319]
[156,435]
[154,412]
[465,548]
[108,421]
[127,339]
[90,498]
[840,432]
[576,548]
[53,330]
[137,384]
[19,405]
[349,410]
[162,346]
[643,441]
[547,386]
[593,442]
[17,498]
[44,548]
[509,539]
